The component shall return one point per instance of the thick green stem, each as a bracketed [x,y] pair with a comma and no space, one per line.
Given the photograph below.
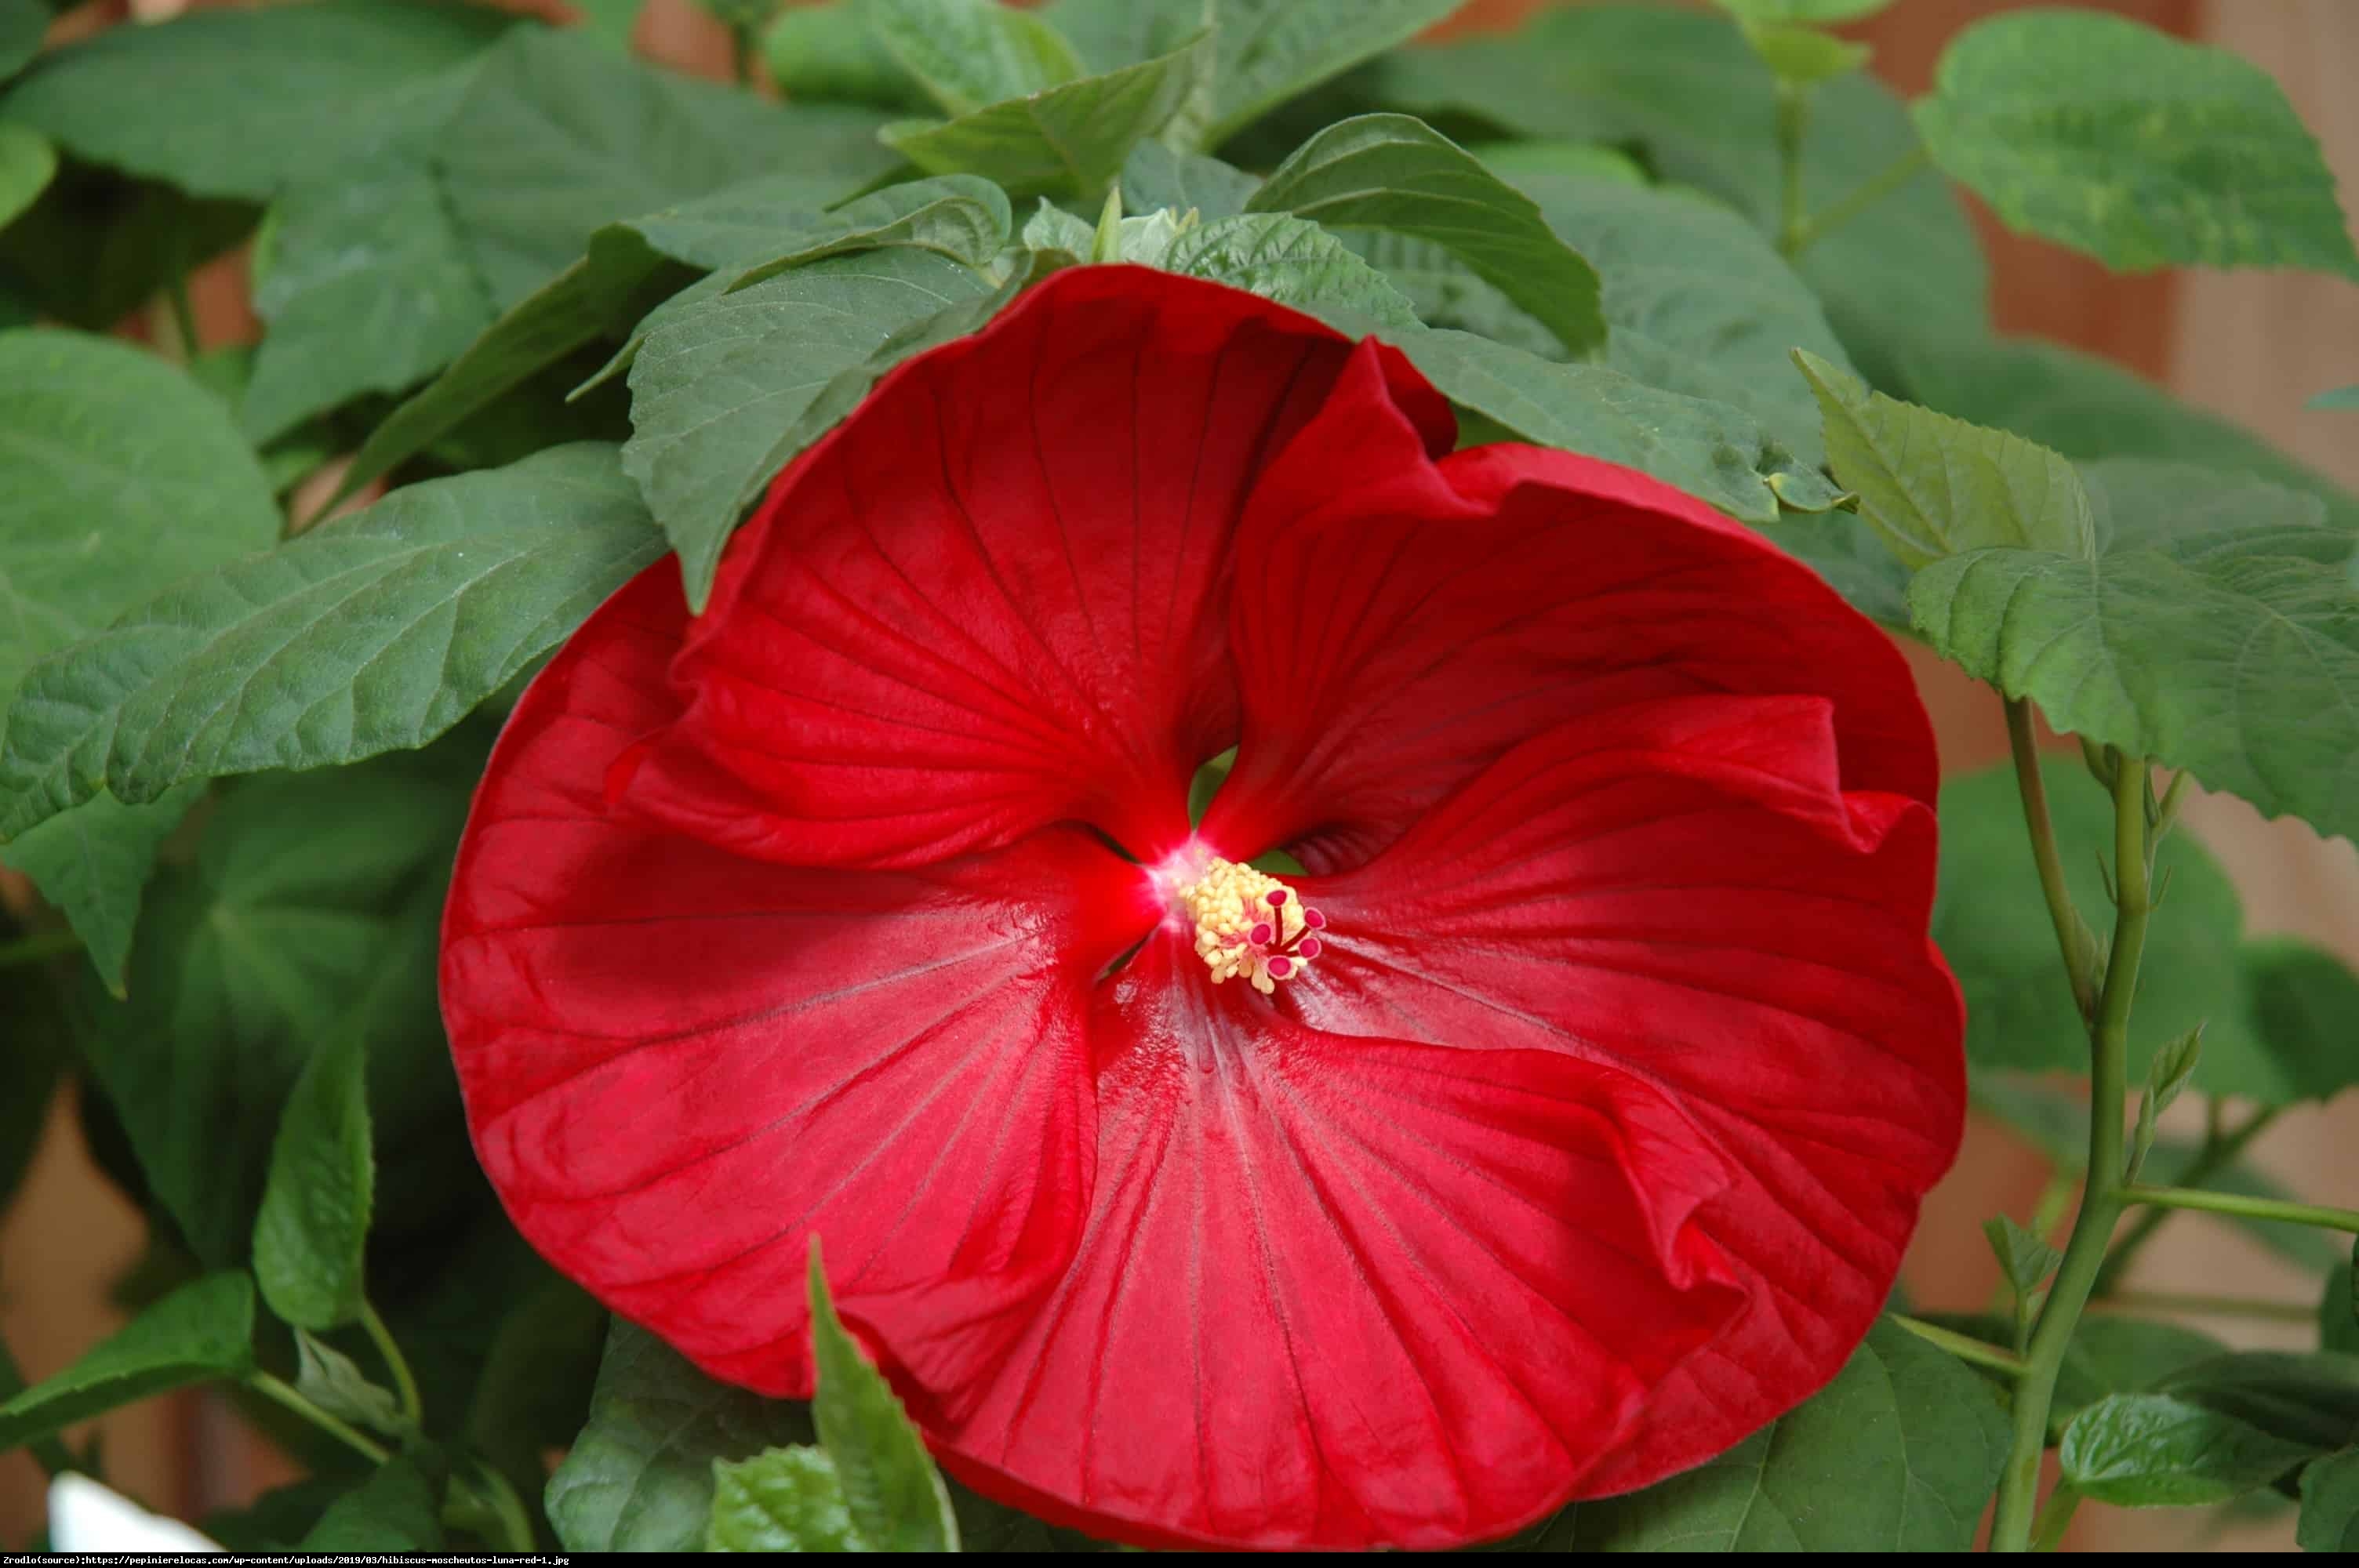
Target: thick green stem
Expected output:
[2325,1219]
[33,949]
[1874,188]
[2177,1303]
[265,1384]
[2072,937]
[2220,1151]
[404,1383]
[2100,1205]
[1793,125]
[1964,1346]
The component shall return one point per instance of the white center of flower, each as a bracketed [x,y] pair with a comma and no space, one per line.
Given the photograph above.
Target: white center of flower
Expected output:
[1250,925]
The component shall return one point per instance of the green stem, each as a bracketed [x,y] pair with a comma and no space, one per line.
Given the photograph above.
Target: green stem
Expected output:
[265,1384]
[2210,1306]
[741,60]
[1964,1346]
[2100,1205]
[33,949]
[2072,937]
[1874,188]
[2219,1151]
[2343,1219]
[404,1383]
[1793,125]
[2048,1534]
[509,1509]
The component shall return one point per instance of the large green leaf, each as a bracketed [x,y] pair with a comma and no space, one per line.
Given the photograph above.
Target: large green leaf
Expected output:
[181,100]
[22,24]
[1990,919]
[1392,173]
[370,634]
[27,162]
[1933,486]
[200,1332]
[827,53]
[2300,1005]
[2105,136]
[1290,259]
[1898,1453]
[2304,1397]
[640,1476]
[718,391]
[891,1490]
[1154,178]
[2154,1450]
[1686,89]
[397,1508]
[124,475]
[2330,1504]
[309,914]
[971,54]
[1709,450]
[1268,50]
[312,1236]
[2233,655]
[1069,140]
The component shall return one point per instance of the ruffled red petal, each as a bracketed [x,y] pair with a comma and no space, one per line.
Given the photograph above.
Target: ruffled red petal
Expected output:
[1684,889]
[1396,630]
[679,1064]
[994,598]
[1346,1292]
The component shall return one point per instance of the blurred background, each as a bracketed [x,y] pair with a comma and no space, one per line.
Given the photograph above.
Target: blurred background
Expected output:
[2249,346]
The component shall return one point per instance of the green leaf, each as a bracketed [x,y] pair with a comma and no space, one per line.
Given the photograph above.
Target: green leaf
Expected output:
[1709,450]
[1393,173]
[333,1382]
[1819,12]
[2024,1259]
[1685,91]
[366,635]
[2340,398]
[22,25]
[1069,140]
[308,915]
[2119,141]
[2300,1002]
[610,22]
[2310,1397]
[33,1021]
[971,54]
[2124,1355]
[2338,1309]
[828,53]
[2234,656]
[1804,55]
[178,101]
[640,1476]
[720,393]
[200,1333]
[1933,486]
[2138,1451]
[1154,177]
[1518,162]
[1991,921]
[2172,1065]
[397,1508]
[28,163]
[2330,1504]
[92,861]
[309,1238]
[783,1500]
[1898,1453]
[1269,50]
[891,1491]
[1292,261]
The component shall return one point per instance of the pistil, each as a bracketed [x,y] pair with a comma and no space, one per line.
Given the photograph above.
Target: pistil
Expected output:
[1250,925]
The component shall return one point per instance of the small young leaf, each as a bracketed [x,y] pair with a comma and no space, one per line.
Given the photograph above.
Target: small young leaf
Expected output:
[1054,229]
[2140,1451]
[310,1236]
[2330,1504]
[970,54]
[1934,486]
[331,1381]
[1394,173]
[1292,261]
[894,1496]
[200,1333]
[2024,1259]
[397,1508]
[2172,1065]
[2204,162]
[1803,54]
[785,1499]
[828,53]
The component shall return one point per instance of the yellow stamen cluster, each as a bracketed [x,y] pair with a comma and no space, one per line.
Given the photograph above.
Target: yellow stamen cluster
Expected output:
[1239,930]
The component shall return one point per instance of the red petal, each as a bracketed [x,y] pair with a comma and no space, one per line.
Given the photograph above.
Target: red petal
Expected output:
[1342,1293]
[995,598]
[1397,639]
[679,1064]
[1682,889]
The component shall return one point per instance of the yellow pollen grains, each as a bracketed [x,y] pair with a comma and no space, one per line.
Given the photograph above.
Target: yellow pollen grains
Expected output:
[1250,925]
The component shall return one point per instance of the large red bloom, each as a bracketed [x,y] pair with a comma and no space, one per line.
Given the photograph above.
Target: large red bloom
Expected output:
[1576,1134]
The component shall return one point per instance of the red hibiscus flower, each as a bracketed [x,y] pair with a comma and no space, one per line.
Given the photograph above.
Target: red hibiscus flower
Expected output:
[1564,1124]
